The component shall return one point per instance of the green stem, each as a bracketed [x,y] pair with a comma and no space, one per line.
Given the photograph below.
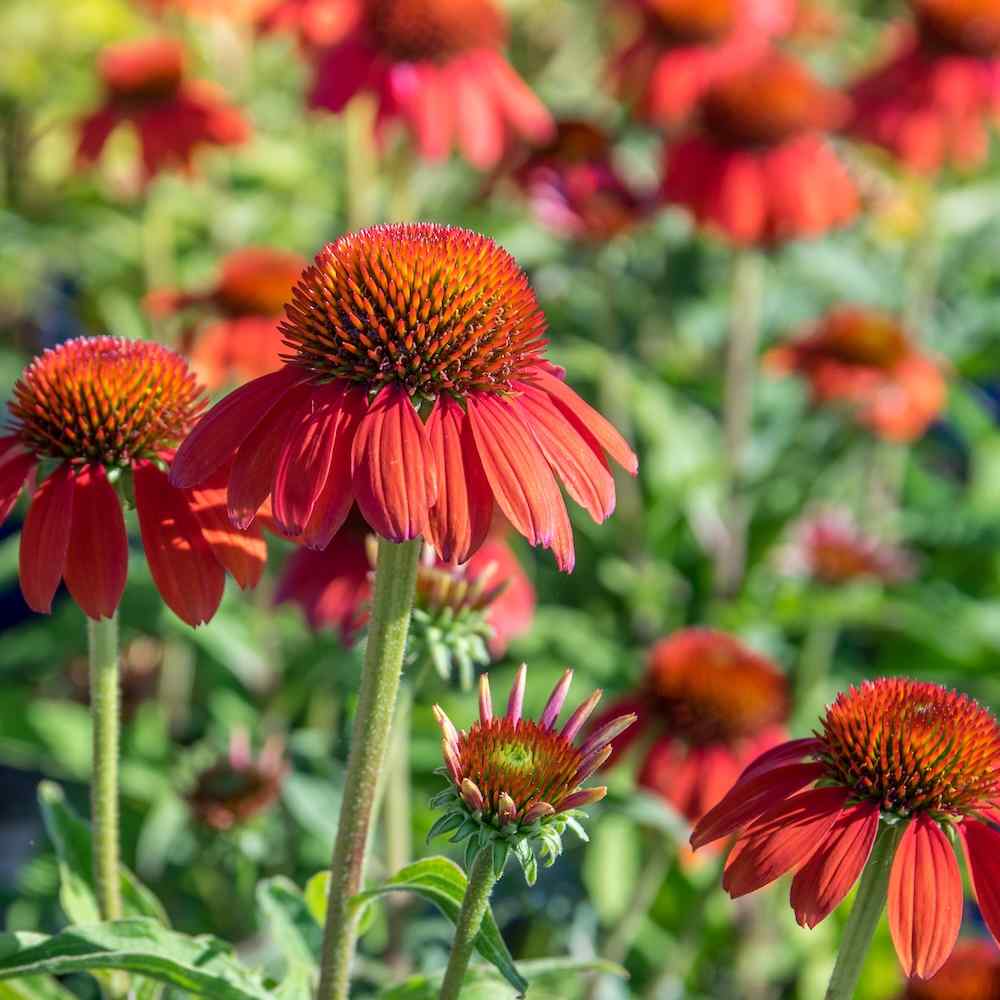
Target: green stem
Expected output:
[104,712]
[470,919]
[397,820]
[865,914]
[395,580]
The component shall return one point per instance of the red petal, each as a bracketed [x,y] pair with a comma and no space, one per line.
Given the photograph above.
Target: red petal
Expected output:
[45,539]
[480,128]
[394,474]
[460,520]
[982,848]
[820,885]
[215,438]
[782,839]
[188,576]
[16,464]
[610,440]
[750,797]
[925,898]
[780,756]
[562,538]
[97,556]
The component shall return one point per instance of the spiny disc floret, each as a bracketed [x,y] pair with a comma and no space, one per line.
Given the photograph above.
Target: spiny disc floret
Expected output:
[105,400]
[430,308]
[435,30]
[913,747]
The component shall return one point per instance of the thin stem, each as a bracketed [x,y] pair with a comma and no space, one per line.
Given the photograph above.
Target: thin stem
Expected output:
[865,915]
[741,367]
[470,919]
[105,719]
[397,819]
[395,579]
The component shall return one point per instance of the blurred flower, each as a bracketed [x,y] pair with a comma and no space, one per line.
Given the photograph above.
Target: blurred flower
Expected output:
[866,359]
[575,189]
[99,417]
[891,751]
[760,169]
[516,783]
[438,66]
[315,22]
[145,87]
[236,10]
[710,705]
[972,973]
[684,47]
[831,548]
[239,786]
[930,102]
[250,294]
[392,326]
[140,666]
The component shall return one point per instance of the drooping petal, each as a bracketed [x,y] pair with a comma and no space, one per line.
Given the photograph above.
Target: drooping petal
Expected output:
[480,128]
[820,886]
[394,472]
[562,537]
[45,539]
[460,519]
[925,898]
[16,463]
[97,555]
[982,848]
[188,576]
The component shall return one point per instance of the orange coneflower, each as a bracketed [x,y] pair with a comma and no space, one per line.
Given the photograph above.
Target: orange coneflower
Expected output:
[890,753]
[145,86]
[760,169]
[865,358]
[972,973]
[99,417]
[438,66]
[415,386]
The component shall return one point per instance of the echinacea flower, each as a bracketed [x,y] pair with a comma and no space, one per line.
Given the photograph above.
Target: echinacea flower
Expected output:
[683,47]
[517,783]
[238,786]
[931,102]
[866,359]
[760,168]
[249,298]
[414,386]
[574,187]
[98,418]
[145,86]
[972,973]
[708,705]
[831,548]
[891,753]
[316,23]
[438,66]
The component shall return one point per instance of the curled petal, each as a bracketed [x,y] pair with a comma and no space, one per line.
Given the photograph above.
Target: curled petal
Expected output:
[608,732]
[471,795]
[580,799]
[575,722]
[536,812]
[16,464]
[485,700]
[591,763]
[556,701]
[515,703]
[45,539]
[506,809]
[982,848]
[448,730]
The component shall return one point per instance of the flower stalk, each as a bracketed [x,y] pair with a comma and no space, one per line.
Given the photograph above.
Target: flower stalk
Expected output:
[482,878]
[395,579]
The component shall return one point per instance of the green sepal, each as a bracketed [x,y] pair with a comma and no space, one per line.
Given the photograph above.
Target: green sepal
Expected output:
[576,826]
[445,824]
[472,851]
[501,854]
[467,829]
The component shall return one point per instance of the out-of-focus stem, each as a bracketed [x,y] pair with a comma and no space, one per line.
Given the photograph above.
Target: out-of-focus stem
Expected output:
[470,919]
[815,660]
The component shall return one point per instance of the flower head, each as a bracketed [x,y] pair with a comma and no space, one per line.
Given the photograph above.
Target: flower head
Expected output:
[972,973]
[238,786]
[760,169]
[438,66]
[146,87]
[316,22]
[99,417]
[710,706]
[415,385]
[516,783]
[892,752]
[866,359]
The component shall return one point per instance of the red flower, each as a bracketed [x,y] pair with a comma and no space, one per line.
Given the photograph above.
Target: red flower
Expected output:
[315,22]
[235,10]
[684,47]
[931,101]
[416,387]
[831,548]
[106,413]
[891,751]
[866,359]
[437,65]
[760,169]
[250,294]
[574,187]
[145,87]
[710,705]
[972,973]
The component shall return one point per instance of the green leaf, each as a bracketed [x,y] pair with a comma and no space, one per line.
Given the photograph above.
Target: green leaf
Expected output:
[202,966]
[296,933]
[34,988]
[316,891]
[441,882]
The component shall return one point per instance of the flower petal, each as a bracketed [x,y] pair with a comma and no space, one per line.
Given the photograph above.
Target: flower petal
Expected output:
[16,463]
[97,555]
[45,539]
[925,898]
[822,883]
[982,848]
[780,756]
[188,576]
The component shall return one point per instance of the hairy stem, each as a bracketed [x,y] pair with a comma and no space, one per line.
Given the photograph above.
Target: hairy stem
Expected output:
[470,919]
[397,821]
